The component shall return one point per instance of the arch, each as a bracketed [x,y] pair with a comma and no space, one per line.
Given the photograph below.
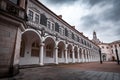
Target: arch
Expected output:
[32,30]
[69,48]
[49,49]
[60,41]
[30,47]
[61,48]
[50,37]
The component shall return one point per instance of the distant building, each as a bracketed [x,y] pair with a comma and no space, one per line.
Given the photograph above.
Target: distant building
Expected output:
[107,49]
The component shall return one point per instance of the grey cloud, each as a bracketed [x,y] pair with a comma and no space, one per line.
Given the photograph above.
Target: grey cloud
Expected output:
[61,2]
[89,21]
[113,14]
[93,2]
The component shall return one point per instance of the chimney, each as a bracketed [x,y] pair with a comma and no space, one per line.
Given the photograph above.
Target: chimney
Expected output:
[60,16]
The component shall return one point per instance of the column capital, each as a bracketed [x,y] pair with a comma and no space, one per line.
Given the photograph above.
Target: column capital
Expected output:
[42,44]
[65,49]
[56,47]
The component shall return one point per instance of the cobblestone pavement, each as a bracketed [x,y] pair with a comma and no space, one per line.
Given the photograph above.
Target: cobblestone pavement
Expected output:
[67,72]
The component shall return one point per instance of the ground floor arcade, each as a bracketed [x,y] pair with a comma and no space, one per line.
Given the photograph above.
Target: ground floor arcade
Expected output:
[43,50]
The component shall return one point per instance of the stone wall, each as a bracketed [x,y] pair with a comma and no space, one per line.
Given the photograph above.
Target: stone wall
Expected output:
[7,45]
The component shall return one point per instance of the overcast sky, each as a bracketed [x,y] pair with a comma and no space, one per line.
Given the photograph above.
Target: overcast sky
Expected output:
[103,16]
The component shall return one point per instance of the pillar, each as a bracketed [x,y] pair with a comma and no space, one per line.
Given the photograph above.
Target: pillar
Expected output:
[56,55]
[66,58]
[41,53]
[73,55]
[78,56]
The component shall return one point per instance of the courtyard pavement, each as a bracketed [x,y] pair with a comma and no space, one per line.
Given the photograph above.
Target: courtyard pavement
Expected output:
[82,71]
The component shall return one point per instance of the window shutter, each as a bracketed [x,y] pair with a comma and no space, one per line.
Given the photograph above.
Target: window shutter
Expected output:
[66,32]
[57,27]
[43,20]
[78,39]
[73,36]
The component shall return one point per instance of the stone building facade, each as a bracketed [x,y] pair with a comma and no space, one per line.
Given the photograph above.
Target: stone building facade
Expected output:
[30,34]
[108,50]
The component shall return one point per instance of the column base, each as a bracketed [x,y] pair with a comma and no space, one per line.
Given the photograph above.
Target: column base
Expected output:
[41,64]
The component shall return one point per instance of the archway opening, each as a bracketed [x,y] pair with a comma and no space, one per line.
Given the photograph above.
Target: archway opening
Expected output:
[76,52]
[61,53]
[29,51]
[113,58]
[69,48]
[80,52]
[104,57]
[49,50]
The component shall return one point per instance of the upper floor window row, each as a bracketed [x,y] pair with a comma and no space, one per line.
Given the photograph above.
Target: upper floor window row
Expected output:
[42,19]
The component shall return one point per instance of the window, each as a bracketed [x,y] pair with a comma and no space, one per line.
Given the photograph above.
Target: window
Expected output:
[78,39]
[57,27]
[48,24]
[60,30]
[43,20]
[73,37]
[82,41]
[63,31]
[66,32]
[53,26]
[111,46]
[37,18]
[107,47]
[115,46]
[30,15]
[14,1]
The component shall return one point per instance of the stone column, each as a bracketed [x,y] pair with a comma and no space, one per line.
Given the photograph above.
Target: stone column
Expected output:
[82,55]
[73,55]
[78,56]
[56,55]
[41,53]
[89,56]
[66,57]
